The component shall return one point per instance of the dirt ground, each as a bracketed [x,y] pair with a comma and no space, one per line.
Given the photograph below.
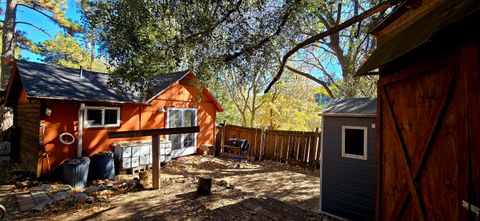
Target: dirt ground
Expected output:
[245,191]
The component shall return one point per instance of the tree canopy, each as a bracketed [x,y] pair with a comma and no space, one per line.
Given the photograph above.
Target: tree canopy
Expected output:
[146,37]
[65,50]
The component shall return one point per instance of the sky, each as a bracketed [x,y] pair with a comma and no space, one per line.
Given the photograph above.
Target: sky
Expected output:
[28,15]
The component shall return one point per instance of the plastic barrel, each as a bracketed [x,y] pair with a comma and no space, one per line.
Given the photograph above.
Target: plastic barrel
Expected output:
[75,172]
[102,166]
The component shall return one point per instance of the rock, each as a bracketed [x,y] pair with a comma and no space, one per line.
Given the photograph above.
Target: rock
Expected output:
[66,188]
[91,189]
[69,203]
[7,187]
[102,187]
[80,197]
[45,186]
[229,186]
[60,195]
[23,184]
[42,200]
[90,200]
[222,183]
[109,185]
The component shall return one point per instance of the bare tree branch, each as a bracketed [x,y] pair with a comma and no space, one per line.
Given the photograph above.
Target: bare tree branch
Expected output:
[381,7]
[311,77]
[252,47]
[53,18]
[36,27]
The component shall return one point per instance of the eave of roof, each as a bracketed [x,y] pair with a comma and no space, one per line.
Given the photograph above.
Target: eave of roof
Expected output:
[418,33]
[347,115]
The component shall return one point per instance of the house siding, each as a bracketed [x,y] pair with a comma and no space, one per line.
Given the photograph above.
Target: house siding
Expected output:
[26,145]
[64,118]
[348,185]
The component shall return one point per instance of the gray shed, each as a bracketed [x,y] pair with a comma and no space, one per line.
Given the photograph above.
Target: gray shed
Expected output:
[349,159]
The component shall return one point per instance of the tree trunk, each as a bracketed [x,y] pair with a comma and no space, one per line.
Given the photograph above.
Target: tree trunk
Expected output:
[92,54]
[9,43]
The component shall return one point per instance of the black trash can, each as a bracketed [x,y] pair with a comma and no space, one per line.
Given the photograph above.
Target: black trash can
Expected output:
[75,171]
[102,166]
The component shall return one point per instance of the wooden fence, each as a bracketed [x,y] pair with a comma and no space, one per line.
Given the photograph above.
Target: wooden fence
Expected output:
[292,147]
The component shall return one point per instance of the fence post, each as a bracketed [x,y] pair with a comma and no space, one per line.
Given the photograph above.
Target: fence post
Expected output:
[255,145]
[222,141]
[156,162]
[262,143]
[317,140]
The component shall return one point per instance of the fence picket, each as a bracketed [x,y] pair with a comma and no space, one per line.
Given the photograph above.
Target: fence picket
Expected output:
[294,146]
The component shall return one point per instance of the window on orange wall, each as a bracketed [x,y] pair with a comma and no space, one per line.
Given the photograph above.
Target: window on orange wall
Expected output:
[101,117]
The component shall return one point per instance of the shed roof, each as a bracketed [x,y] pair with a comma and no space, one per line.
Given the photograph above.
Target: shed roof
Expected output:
[44,81]
[354,107]
[419,33]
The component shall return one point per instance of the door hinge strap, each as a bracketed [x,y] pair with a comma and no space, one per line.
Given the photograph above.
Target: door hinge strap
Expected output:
[470,207]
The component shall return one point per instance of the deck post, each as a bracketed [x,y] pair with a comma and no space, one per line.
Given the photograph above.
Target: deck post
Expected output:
[156,161]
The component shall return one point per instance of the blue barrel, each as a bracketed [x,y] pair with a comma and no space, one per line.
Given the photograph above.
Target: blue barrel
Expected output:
[102,166]
[75,171]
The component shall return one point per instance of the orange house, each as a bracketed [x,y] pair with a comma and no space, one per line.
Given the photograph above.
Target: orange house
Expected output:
[49,100]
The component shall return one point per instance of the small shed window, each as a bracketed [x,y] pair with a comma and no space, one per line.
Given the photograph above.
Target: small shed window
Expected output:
[102,117]
[354,142]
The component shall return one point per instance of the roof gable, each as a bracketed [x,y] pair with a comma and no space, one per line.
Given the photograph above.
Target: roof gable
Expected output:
[177,77]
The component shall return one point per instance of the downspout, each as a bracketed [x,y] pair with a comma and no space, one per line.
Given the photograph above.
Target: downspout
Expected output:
[80,130]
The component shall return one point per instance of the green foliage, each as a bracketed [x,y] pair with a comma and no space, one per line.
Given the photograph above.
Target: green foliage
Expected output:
[65,50]
[143,38]
[52,9]
[290,106]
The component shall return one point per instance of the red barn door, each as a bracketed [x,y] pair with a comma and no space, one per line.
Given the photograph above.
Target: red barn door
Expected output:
[428,143]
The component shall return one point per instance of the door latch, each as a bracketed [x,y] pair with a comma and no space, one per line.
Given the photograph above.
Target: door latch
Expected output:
[472,208]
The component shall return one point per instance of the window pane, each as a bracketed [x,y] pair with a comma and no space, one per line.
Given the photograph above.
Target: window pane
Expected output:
[111,116]
[354,141]
[175,138]
[94,117]
[174,118]
[188,140]
[189,118]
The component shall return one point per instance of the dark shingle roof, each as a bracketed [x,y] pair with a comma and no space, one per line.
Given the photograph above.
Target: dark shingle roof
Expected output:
[54,82]
[163,81]
[351,106]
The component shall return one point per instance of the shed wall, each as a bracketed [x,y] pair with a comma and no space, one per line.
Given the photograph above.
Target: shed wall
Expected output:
[348,185]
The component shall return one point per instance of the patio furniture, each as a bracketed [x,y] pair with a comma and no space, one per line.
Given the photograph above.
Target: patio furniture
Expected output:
[238,147]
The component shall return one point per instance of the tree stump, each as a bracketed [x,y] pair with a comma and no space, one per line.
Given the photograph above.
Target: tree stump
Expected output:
[204,185]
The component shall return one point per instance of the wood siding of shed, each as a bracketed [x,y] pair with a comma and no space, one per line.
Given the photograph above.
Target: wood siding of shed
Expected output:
[26,123]
[348,185]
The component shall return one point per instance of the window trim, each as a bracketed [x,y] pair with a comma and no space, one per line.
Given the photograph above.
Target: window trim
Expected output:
[182,135]
[365,147]
[103,125]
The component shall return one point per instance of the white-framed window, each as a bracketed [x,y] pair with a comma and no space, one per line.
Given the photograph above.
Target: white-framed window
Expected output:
[354,142]
[101,117]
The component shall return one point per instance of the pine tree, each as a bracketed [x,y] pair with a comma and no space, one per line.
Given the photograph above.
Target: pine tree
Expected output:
[52,9]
